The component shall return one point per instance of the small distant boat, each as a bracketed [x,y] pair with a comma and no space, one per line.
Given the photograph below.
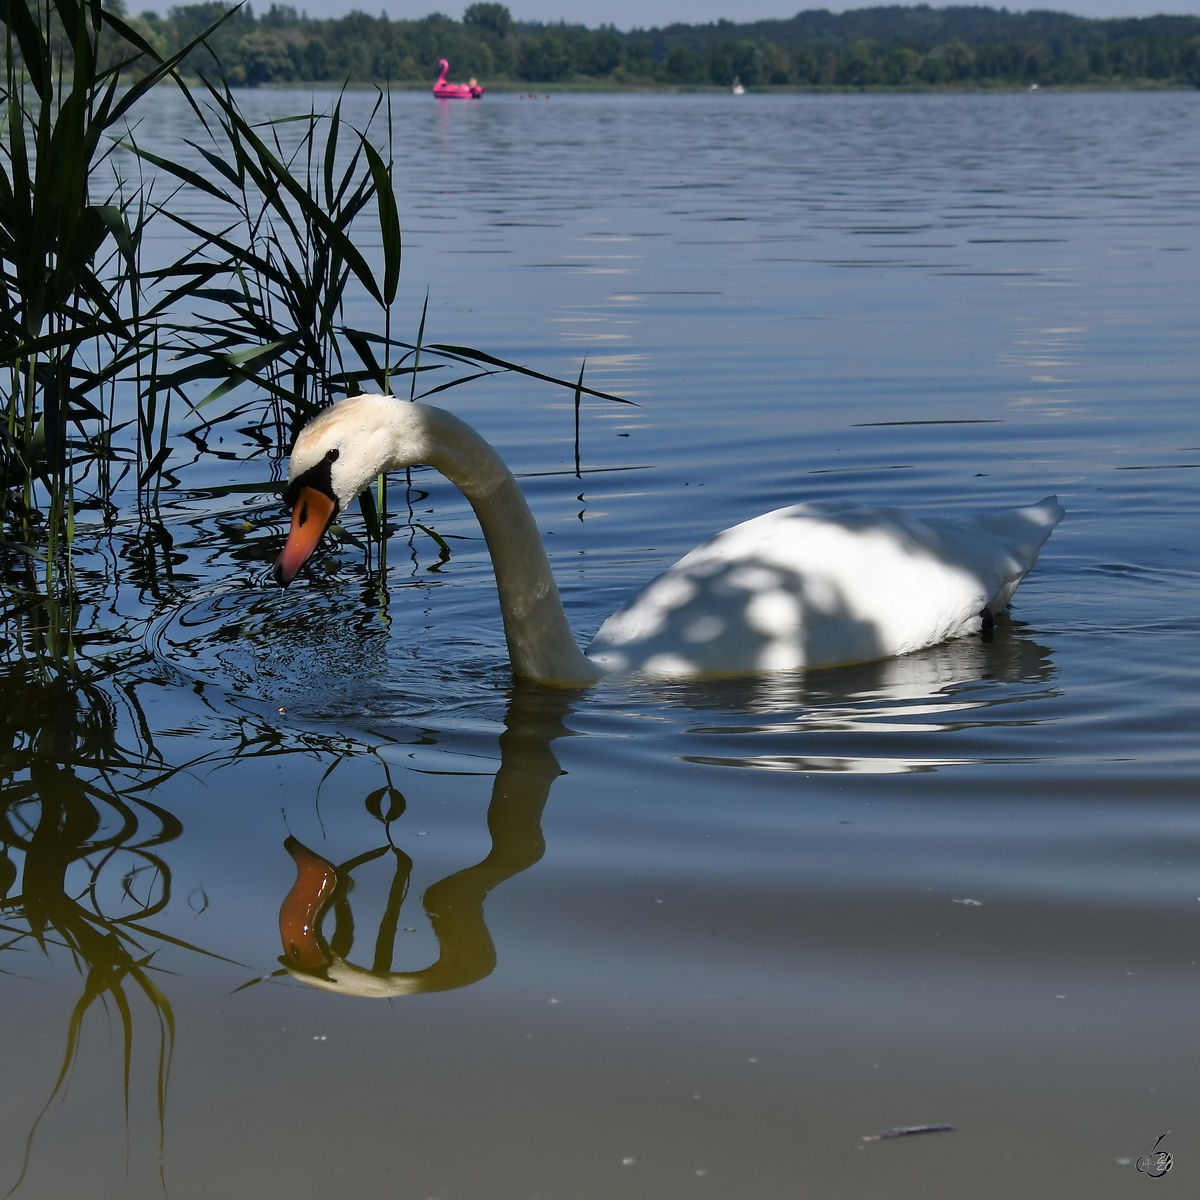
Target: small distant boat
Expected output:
[455,91]
[738,89]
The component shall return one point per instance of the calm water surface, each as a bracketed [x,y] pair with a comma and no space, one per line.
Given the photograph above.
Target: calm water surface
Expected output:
[685,939]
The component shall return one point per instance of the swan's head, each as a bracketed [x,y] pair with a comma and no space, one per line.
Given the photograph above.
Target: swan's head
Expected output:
[337,455]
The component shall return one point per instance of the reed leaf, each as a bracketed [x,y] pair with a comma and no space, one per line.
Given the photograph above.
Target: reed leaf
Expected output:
[389,223]
[466,352]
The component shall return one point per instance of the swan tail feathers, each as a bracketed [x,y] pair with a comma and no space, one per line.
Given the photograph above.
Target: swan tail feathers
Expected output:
[1022,531]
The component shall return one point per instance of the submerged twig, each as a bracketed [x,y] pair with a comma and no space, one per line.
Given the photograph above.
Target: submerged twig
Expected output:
[906,1131]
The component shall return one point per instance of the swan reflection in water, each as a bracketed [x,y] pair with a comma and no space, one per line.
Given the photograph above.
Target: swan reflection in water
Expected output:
[855,719]
[951,675]
[938,685]
[454,905]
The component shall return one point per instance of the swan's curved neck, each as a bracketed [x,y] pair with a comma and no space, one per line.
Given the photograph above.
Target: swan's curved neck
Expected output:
[540,642]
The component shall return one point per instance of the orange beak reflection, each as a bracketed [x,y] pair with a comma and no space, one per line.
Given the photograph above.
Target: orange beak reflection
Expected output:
[311,516]
[299,918]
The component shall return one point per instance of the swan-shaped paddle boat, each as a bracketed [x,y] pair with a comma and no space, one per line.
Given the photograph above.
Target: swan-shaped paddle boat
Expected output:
[455,91]
[812,585]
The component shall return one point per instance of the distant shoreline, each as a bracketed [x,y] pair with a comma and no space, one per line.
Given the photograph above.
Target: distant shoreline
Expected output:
[523,88]
[892,49]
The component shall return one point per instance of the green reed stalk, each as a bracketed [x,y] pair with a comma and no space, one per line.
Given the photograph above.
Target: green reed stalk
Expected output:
[68,325]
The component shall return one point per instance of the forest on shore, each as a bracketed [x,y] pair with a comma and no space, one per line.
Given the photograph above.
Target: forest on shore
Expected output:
[902,47]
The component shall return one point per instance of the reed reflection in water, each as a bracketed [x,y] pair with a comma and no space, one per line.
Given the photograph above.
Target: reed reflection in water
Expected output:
[81,867]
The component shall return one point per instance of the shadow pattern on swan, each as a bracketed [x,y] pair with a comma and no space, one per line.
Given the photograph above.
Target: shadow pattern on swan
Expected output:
[806,586]
[824,584]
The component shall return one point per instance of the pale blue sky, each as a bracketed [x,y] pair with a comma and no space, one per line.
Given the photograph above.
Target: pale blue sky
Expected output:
[626,14]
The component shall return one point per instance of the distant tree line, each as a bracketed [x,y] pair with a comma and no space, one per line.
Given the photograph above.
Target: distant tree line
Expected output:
[893,46]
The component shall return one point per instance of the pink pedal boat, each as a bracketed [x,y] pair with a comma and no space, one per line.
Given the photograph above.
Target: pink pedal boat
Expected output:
[454,91]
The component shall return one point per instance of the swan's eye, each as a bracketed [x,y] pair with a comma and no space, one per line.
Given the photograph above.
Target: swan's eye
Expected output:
[332,456]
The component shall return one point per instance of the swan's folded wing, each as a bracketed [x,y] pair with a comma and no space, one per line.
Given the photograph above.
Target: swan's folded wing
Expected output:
[806,586]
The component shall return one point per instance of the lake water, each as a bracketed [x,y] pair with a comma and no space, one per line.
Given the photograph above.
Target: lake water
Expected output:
[683,939]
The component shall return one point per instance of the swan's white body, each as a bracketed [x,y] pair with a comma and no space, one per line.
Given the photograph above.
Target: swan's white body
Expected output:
[814,585]
[807,586]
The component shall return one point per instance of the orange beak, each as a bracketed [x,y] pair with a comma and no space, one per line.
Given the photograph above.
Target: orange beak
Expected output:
[311,516]
[315,881]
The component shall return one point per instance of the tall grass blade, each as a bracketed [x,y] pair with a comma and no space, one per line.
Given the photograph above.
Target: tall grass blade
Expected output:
[389,224]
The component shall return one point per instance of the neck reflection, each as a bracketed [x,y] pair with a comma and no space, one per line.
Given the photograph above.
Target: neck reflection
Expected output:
[455,904]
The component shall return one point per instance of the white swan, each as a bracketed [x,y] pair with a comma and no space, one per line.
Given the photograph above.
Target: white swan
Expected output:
[806,586]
